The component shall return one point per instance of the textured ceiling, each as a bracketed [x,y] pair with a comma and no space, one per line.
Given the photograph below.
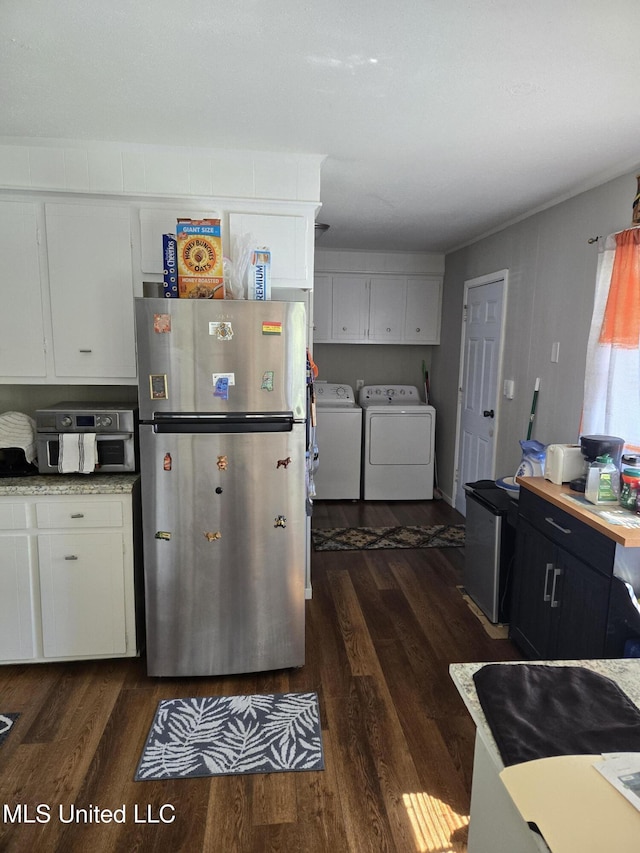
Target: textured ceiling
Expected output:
[440,119]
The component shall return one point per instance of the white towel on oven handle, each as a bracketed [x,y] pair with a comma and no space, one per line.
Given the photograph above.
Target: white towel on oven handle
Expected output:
[77,452]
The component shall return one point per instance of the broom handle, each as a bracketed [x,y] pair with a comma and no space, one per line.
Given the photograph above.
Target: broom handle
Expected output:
[533,407]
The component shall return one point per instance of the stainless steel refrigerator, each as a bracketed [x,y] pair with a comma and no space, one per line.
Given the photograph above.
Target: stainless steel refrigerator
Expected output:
[223,404]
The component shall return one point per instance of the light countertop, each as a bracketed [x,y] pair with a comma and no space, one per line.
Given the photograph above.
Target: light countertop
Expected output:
[576,505]
[624,671]
[68,484]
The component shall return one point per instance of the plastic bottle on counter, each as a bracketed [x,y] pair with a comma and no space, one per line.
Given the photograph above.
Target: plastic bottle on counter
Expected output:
[603,481]
[630,482]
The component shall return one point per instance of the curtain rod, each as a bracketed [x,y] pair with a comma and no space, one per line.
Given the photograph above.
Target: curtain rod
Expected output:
[615,234]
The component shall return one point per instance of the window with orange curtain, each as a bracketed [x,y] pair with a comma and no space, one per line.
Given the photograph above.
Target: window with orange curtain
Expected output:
[612,377]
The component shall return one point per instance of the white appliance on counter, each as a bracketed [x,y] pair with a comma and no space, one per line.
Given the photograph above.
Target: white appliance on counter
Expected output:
[398,448]
[339,439]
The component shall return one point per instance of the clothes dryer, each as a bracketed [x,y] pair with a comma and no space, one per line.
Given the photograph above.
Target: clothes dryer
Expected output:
[339,440]
[398,448]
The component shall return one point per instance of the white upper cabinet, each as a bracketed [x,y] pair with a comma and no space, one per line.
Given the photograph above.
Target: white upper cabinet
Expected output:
[322,308]
[350,309]
[22,335]
[377,309]
[290,242]
[387,309]
[91,287]
[423,309]
[287,236]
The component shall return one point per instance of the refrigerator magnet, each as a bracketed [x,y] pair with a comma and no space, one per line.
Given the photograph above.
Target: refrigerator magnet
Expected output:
[161,323]
[222,463]
[284,463]
[221,388]
[280,521]
[267,381]
[222,330]
[271,328]
[210,536]
[163,534]
[158,386]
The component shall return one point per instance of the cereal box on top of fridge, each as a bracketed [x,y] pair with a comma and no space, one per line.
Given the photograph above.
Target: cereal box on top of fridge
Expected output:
[200,263]
[170,265]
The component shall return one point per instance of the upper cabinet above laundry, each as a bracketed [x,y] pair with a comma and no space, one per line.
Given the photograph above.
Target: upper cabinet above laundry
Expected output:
[377,309]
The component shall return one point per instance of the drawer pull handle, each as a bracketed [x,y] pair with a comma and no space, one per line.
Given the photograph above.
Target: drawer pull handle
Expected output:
[77,515]
[71,557]
[85,350]
[547,596]
[557,526]
[556,575]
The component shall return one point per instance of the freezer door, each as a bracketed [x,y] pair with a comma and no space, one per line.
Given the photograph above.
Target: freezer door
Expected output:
[221,356]
[224,551]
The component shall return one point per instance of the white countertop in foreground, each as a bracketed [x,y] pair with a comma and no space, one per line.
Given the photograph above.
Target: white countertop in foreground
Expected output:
[625,672]
[68,484]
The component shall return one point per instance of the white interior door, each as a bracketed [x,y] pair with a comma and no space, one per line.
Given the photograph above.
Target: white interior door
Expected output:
[480,374]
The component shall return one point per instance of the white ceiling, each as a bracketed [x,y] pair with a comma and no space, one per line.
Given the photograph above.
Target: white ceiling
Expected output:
[439,119]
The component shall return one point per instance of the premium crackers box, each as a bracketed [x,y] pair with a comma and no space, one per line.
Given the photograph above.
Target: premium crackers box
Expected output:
[200,265]
[260,274]
[170,265]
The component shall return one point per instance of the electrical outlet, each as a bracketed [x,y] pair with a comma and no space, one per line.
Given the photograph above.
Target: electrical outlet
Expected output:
[359,384]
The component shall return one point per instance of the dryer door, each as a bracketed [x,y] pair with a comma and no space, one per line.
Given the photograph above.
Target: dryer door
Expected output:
[400,438]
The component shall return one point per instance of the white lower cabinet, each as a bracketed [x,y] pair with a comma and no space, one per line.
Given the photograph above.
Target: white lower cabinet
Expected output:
[68,575]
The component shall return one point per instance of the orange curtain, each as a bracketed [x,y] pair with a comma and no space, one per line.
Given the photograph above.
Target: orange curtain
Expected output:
[621,324]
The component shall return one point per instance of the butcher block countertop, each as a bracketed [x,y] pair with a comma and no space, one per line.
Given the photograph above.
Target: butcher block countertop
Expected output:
[69,484]
[575,504]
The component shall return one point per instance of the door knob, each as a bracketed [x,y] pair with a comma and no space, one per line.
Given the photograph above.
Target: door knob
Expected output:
[488,413]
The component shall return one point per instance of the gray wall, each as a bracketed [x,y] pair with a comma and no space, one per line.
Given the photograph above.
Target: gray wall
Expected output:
[552,271]
[376,364]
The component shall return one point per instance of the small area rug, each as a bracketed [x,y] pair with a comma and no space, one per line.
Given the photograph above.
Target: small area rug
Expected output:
[370,538]
[6,724]
[225,735]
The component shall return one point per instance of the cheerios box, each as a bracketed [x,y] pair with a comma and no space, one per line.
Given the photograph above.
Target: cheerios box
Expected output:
[170,265]
[200,265]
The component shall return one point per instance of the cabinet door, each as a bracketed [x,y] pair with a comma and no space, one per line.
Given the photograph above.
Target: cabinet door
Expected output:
[286,236]
[91,285]
[322,305]
[582,598]
[22,350]
[82,591]
[16,600]
[350,310]
[423,310]
[387,309]
[532,618]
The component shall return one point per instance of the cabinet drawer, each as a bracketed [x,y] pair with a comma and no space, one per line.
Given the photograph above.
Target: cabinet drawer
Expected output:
[13,516]
[79,514]
[568,532]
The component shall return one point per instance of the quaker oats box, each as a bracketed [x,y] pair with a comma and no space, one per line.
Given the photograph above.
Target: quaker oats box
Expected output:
[170,265]
[200,264]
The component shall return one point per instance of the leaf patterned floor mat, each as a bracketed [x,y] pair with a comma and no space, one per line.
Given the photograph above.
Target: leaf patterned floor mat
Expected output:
[225,735]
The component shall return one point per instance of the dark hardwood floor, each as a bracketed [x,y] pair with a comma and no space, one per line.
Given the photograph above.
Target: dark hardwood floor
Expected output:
[382,629]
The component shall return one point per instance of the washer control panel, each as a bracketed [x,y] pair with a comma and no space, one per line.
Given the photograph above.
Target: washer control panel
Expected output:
[334,394]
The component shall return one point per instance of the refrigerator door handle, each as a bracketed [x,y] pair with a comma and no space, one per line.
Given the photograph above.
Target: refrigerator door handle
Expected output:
[212,424]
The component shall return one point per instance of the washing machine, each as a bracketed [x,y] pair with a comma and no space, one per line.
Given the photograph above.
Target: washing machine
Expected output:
[339,440]
[398,443]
